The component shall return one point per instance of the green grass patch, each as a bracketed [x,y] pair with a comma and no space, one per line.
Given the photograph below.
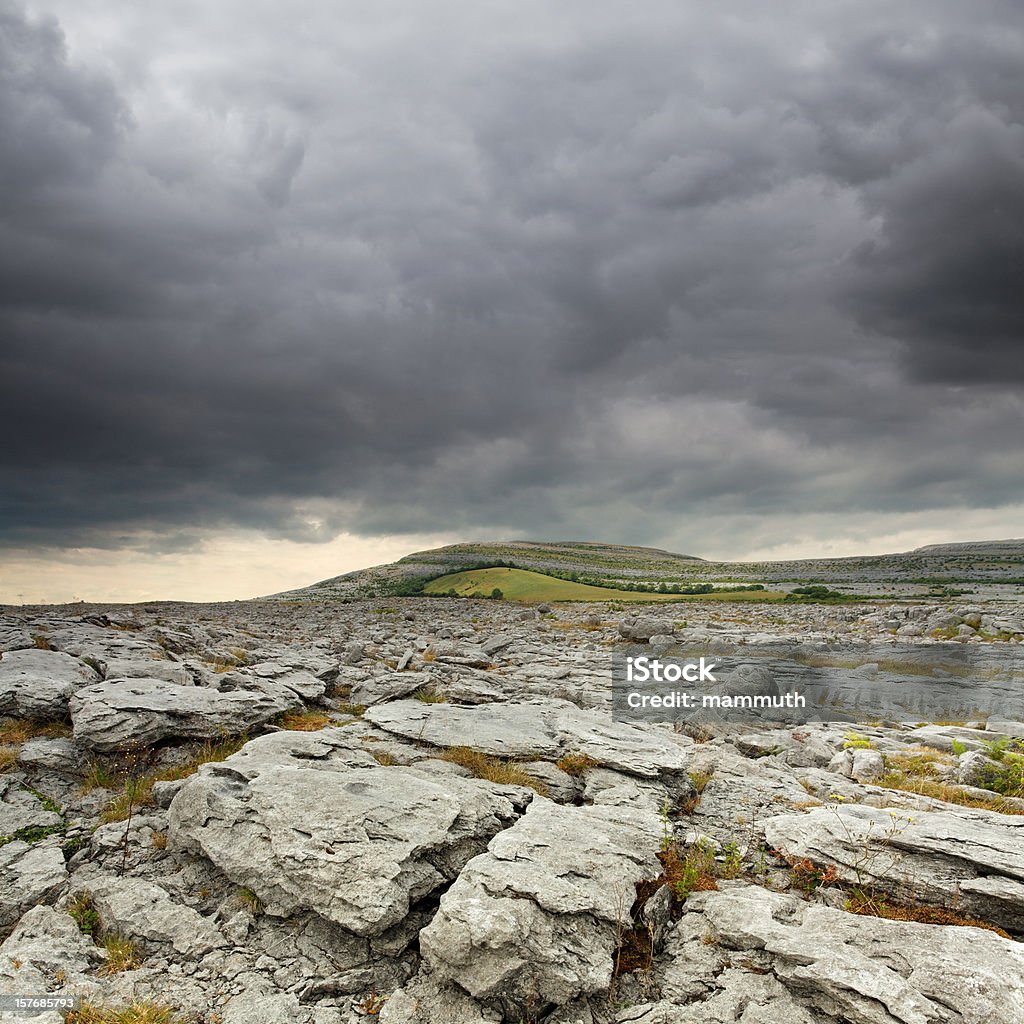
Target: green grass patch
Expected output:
[523,585]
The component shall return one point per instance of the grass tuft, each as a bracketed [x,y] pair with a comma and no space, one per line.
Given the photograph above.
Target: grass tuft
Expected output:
[21,730]
[122,954]
[137,790]
[352,709]
[504,773]
[915,773]
[860,904]
[136,1013]
[425,695]
[303,721]
[250,901]
[577,764]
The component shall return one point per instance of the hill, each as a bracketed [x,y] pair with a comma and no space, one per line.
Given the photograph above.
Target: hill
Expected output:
[934,567]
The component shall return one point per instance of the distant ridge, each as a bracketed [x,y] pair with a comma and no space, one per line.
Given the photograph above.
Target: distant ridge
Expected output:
[998,548]
[992,561]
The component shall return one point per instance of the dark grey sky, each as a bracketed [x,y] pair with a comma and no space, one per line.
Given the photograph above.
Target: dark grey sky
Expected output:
[731,279]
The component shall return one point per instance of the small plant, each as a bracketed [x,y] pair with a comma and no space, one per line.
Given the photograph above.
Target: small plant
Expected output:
[99,775]
[84,913]
[692,869]
[959,748]
[372,1004]
[122,954]
[807,876]
[856,741]
[250,901]
[159,841]
[577,764]
[382,757]
[732,865]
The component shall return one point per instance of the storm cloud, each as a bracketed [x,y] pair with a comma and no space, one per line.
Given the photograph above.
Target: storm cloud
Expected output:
[703,278]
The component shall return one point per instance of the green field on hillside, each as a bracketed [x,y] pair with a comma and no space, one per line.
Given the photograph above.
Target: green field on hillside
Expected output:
[522,585]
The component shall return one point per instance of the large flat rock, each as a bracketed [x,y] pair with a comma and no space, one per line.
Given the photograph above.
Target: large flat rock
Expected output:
[537,917]
[310,823]
[37,684]
[141,910]
[114,714]
[544,729]
[809,964]
[28,875]
[971,861]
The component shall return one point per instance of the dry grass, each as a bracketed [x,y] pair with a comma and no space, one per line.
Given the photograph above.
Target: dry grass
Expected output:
[915,773]
[352,709]
[577,764]
[159,840]
[304,721]
[136,1013]
[122,954]
[137,790]
[426,695]
[859,904]
[382,757]
[21,730]
[504,773]
[8,759]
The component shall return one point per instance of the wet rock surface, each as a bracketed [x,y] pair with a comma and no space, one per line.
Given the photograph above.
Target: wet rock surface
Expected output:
[423,811]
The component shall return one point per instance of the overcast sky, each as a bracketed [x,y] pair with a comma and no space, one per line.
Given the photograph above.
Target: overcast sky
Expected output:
[289,289]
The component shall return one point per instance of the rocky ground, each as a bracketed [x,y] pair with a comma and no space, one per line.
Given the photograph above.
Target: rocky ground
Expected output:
[423,811]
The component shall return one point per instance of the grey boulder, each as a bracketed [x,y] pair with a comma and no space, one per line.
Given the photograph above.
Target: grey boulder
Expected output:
[36,684]
[537,917]
[29,875]
[971,860]
[117,713]
[810,964]
[310,823]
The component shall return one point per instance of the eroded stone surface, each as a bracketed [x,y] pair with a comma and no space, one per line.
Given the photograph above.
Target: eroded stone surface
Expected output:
[317,825]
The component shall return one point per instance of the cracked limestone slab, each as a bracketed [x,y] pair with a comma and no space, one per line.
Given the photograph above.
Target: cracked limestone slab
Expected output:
[311,822]
[968,860]
[540,728]
[112,715]
[816,964]
[537,917]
